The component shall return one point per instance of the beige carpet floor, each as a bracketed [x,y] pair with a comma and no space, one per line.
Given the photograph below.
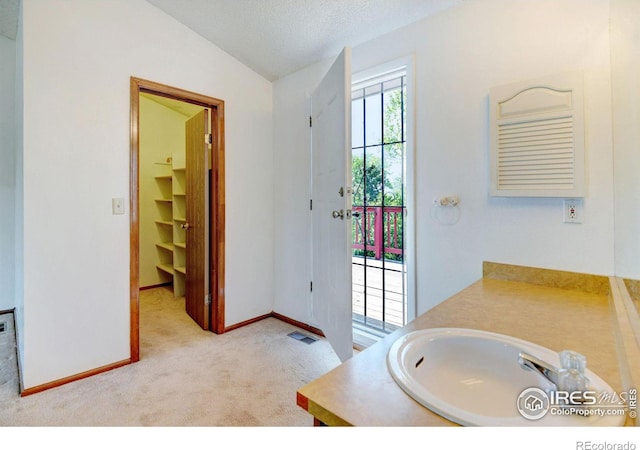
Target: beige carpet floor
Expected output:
[187,377]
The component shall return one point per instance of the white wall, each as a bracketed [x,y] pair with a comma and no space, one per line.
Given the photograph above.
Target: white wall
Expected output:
[78,59]
[292,230]
[625,70]
[7,170]
[19,203]
[459,55]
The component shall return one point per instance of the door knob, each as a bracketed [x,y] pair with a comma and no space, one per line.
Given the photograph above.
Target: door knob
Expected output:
[337,214]
[185,226]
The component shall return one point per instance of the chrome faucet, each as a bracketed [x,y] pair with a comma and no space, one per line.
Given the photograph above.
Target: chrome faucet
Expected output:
[545,370]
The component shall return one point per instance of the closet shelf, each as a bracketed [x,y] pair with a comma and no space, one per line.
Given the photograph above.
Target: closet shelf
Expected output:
[168,200]
[163,177]
[182,245]
[180,219]
[166,268]
[182,270]
[164,222]
[167,161]
[165,245]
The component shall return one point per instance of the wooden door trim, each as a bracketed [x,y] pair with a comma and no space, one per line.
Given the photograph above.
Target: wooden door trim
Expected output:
[217,205]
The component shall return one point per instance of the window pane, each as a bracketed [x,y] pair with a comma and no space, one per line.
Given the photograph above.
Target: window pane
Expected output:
[393,174]
[374,293]
[358,288]
[393,115]
[357,123]
[373,117]
[372,188]
[357,172]
[394,294]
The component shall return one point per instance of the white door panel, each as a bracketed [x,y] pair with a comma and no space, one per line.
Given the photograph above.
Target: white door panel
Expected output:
[331,172]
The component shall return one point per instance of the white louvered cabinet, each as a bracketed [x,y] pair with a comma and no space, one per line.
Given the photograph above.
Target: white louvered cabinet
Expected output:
[537,138]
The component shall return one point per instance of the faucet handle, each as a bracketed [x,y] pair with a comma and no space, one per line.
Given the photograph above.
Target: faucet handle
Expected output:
[572,380]
[571,376]
[573,360]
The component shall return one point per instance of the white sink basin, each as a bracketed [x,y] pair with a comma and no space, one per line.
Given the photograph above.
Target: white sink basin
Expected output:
[472,377]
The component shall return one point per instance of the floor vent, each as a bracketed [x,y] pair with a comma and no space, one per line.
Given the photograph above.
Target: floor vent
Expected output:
[302,337]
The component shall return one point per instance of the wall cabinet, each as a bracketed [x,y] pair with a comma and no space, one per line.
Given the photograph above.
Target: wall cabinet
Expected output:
[537,138]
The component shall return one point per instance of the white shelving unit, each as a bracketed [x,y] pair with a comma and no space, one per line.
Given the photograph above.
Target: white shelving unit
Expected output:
[179,203]
[171,210]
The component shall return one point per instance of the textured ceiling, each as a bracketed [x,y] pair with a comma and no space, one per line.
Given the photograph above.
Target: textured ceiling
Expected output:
[278,37]
[9,18]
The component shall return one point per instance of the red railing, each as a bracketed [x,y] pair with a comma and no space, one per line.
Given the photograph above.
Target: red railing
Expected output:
[378,228]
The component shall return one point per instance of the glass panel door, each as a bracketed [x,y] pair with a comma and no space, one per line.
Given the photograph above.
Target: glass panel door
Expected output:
[379,172]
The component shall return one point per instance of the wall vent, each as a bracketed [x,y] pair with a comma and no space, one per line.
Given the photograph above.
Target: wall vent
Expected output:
[537,138]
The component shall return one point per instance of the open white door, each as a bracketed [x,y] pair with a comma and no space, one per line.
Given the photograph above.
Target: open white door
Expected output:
[331,207]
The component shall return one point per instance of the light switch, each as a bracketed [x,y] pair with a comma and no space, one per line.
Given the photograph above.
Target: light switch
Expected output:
[117,206]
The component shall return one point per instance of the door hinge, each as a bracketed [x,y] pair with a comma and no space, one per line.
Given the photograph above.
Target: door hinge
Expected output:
[310,204]
[310,122]
[310,286]
[207,299]
[208,138]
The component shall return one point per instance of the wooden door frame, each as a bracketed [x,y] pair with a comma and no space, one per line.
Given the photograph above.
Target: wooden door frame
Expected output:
[216,206]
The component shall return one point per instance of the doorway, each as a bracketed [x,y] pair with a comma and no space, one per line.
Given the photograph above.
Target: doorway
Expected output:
[199,272]
[381,225]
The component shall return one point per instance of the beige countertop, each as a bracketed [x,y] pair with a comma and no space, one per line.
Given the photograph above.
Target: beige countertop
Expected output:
[361,391]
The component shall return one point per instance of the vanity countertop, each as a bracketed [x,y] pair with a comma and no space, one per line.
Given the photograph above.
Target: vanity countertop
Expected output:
[361,391]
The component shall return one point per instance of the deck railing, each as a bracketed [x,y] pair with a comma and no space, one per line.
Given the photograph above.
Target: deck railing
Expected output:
[378,229]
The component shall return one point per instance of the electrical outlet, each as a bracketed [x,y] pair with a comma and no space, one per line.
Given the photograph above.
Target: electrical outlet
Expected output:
[573,210]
